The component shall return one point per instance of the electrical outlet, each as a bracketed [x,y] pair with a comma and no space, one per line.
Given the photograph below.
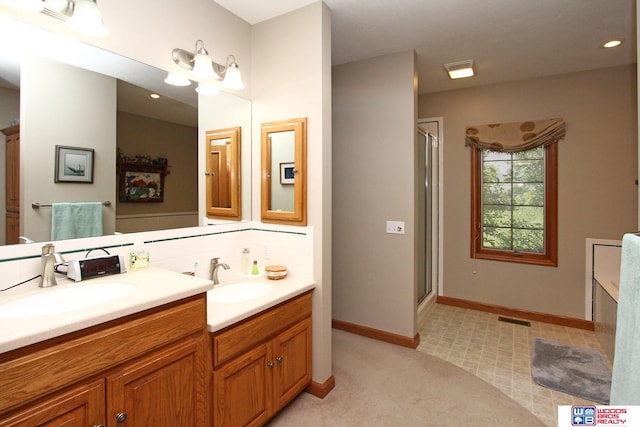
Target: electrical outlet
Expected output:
[395,227]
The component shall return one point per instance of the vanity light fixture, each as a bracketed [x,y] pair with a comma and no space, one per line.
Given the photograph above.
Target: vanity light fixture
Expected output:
[82,16]
[203,67]
[460,70]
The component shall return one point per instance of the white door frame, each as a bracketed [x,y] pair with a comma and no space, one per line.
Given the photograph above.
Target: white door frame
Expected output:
[439,285]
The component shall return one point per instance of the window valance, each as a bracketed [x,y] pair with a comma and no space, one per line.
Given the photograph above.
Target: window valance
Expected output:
[516,136]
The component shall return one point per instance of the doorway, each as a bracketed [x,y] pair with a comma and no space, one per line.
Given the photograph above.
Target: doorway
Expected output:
[429,174]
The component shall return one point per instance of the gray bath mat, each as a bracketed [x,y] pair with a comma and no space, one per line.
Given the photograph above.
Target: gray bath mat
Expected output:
[573,370]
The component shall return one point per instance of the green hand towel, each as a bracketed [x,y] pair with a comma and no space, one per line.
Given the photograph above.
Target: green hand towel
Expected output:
[74,220]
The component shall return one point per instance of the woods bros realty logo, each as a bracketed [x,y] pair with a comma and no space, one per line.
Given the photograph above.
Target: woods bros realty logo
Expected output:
[588,415]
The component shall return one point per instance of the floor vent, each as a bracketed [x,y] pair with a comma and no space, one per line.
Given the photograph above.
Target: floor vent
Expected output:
[516,321]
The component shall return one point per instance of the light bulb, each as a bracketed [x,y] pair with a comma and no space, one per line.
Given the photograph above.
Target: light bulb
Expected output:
[87,19]
[233,78]
[207,90]
[177,80]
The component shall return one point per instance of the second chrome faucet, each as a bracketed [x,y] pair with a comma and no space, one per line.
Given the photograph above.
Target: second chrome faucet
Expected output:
[213,269]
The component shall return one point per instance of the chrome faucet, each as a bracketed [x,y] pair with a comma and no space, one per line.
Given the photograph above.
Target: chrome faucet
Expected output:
[48,261]
[213,269]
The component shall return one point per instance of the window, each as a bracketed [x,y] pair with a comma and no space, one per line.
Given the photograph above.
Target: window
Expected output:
[514,205]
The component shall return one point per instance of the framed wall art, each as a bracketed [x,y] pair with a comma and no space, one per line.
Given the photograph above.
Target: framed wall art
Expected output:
[287,173]
[141,183]
[74,164]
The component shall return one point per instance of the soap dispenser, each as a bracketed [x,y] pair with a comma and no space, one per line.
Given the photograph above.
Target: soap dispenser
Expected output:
[254,269]
[245,262]
[138,256]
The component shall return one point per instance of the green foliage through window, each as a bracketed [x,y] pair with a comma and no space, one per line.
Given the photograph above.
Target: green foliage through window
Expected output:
[513,211]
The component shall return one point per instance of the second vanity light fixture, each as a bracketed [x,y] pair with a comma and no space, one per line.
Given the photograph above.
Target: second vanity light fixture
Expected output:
[203,67]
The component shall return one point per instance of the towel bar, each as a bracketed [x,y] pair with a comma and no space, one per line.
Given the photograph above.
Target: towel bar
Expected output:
[38,205]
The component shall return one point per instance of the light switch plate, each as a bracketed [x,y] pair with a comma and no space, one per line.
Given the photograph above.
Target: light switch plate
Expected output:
[395,227]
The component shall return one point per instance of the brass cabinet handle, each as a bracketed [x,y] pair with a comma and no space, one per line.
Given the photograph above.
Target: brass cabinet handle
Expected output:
[121,417]
[279,359]
[271,365]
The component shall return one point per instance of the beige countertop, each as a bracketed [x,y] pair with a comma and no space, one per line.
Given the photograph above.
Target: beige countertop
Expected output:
[221,315]
[154,287]
[609,284]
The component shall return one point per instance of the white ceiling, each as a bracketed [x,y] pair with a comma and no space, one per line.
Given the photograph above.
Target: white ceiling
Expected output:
[508,39]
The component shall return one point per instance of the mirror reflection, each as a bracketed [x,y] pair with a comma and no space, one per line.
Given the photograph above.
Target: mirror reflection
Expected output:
[282,151]
[223,173]
[284,161]
[69,93]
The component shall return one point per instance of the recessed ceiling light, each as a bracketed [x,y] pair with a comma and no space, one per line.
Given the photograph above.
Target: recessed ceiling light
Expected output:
[154,96]
[612,43]
[460,70]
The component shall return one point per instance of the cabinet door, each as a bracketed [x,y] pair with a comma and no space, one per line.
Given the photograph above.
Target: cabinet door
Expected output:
[79,407]
[165,389]
[242,390]
[292,354]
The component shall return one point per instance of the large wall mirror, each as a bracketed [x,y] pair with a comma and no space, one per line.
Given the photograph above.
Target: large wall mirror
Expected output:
[284,171]
[65,92]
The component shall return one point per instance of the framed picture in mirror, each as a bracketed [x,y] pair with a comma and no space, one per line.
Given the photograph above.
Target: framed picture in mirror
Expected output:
[74,164]
[287,173]
[141,183]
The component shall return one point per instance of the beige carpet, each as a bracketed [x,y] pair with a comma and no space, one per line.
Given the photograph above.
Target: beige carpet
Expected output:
[380,384]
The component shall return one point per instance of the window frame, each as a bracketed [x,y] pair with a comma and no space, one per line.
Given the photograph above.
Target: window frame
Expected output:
[550,256]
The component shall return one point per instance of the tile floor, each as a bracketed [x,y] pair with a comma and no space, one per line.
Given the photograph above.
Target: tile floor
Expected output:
[500,353]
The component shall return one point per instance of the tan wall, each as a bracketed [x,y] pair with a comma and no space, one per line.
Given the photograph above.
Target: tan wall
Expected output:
[293,54]
[374,129]
[597,194]
[137,135]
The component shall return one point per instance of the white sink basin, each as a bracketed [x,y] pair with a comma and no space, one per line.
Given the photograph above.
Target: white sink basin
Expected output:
[238,292]
[65,299]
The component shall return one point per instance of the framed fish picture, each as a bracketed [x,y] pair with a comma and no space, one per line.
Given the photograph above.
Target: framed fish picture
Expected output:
[74,164]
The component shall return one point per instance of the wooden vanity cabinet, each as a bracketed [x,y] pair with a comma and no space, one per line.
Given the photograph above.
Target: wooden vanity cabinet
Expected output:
[261,364]
[149,370]
[81,406]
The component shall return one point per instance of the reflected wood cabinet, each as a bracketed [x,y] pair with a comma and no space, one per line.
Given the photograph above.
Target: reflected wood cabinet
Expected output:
[223,184]
[12,183]
[146,371]
[261,364]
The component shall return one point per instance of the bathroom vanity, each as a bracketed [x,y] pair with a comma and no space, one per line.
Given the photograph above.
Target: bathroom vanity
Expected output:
[262,363]
[169,353]
[146,367]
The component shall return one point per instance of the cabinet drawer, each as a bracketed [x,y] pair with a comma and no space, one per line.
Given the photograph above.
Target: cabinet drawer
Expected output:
[49,368]
[240,338]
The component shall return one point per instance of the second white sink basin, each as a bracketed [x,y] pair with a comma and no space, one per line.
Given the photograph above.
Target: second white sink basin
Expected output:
[238,292]
[64,299]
